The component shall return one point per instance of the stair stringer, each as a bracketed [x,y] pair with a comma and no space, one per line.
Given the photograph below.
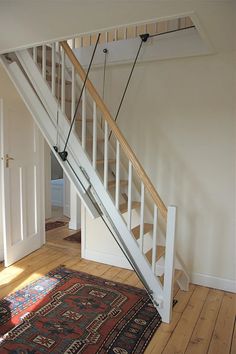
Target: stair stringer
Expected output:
[47,127]
[45,119]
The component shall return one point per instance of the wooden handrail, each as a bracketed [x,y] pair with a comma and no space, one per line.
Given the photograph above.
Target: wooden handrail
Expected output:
[107,116]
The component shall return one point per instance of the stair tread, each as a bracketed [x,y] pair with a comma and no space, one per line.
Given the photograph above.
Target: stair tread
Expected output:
[112,184]
[160,251]
[98,140]
[124,206]
[101,162]
[146,228]
[88,120]
[67,99]
[49,78]
[178,273]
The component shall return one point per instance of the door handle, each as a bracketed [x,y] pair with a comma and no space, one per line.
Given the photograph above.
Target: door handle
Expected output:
[8,158]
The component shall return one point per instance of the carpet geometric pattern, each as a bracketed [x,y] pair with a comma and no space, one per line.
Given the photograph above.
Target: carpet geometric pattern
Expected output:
[73,312]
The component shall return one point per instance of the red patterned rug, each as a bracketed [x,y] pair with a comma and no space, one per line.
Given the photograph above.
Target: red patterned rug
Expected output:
[73,312]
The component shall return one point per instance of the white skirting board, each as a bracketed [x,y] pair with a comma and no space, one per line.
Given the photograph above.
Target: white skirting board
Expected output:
[196,278]
[213,282]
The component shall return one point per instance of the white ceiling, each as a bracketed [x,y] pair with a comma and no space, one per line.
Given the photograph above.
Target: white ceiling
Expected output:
[27,22]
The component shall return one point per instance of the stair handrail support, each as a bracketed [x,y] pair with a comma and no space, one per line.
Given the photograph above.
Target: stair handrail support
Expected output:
[169,267]
[115,129]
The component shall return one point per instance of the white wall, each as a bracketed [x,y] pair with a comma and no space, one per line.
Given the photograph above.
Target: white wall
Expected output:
[179,118]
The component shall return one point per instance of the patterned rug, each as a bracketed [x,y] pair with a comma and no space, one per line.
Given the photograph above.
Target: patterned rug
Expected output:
[72,312]
[54,224]
[76,237]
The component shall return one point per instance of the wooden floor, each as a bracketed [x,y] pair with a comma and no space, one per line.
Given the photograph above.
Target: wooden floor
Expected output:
[203,319]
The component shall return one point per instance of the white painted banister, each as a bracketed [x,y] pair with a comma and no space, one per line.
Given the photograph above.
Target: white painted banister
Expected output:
[142,216]
[35,54]
[130,173]
[73,98]
[53,82]
[63,80]
[44,61]
[169,267]
[117,195]
[154,239]
[106,156]
[94,158]
[84,119]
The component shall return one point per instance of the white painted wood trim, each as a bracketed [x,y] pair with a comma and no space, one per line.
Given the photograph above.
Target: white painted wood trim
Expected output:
[154,238]
[213,282]
[117,196]
[84,119]
[130,172]
[83,230]
[53,69]
[44,61]
[94,135]
[35,54]
[142,216]
[169,264]
[105,181]
[74,223]
[62,80]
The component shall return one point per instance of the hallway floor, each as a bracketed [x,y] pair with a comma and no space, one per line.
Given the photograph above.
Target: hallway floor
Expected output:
[203,319]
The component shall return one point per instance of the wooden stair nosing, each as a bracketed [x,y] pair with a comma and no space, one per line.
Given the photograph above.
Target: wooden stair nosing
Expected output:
[178,273]
[49,78]
[112,184]
[88,120]
[146,228]
[124,206]
[110,161]
[90,140]
[160,251]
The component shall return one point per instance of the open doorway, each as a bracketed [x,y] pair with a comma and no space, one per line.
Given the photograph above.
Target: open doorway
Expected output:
[62,206]
[60,190]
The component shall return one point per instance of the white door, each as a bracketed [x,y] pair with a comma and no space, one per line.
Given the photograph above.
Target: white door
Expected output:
[23,231]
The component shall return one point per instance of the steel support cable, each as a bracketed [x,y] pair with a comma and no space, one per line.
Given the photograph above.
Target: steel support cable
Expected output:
[144,38]
[105,51]
[172,31]
[63,154]
[124,251]
[58,92]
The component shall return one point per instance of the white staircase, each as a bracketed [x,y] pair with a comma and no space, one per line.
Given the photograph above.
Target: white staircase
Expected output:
[106,173]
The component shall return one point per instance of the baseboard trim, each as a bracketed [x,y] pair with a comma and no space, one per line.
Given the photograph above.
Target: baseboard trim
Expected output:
[213,282]
[105,258]
[196,278]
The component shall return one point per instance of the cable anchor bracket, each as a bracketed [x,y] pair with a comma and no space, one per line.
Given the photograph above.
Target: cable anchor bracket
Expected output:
[144,36]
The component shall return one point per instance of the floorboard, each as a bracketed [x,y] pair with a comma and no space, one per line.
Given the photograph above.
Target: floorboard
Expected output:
[203,319]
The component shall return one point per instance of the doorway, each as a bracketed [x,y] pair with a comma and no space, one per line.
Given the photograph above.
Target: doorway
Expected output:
[62,206]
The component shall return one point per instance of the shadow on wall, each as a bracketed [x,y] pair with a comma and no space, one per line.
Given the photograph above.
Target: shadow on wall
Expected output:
[179,186]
